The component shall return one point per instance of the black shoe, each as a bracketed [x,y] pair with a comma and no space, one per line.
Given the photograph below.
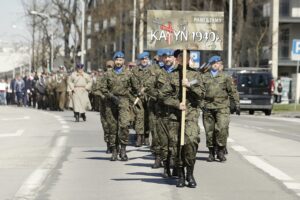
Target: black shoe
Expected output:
[114,156]
[123,155]
[157,163]
[138,140]
[220,154]
[83,116]
[108,149]
[167,172]
[181,179]
[76,117]
[190,177]
[211,156]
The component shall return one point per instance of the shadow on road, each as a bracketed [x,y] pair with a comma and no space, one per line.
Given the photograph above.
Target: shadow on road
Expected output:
[149,180]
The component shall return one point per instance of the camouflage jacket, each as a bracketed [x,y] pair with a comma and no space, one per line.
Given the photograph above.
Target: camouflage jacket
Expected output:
[170,92]
[117,84]
[218,90]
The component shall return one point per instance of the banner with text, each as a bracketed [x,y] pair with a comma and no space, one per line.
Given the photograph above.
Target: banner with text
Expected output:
[194,30]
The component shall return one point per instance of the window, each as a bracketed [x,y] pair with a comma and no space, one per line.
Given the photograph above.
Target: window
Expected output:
[89,43]
[284,43]
[284,8]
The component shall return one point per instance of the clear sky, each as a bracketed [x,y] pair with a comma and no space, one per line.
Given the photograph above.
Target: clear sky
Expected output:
[12,22]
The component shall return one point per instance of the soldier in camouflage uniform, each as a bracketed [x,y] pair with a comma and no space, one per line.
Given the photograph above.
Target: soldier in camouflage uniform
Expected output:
[139,76]
[50,91]
[116,88]
[154,108]
[61,88]
[105,115]
[171,95]
[217,88]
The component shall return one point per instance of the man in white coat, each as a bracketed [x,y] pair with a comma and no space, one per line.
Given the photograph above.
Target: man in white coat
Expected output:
[79,83]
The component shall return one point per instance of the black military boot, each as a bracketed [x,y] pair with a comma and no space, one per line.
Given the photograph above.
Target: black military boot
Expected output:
[181,178]
[157,162]
[220,154]
[122,154]
[190,177]
[211,156]
[138,140]
[114,155]
[83,116]
[76,117]
[108,149]
[167,172]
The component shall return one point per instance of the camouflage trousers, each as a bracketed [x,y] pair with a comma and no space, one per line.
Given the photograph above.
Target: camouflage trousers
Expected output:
[168,138]
[119,123]
[154,127]
[216,124]
[141,118]
[104,115]
[191,143]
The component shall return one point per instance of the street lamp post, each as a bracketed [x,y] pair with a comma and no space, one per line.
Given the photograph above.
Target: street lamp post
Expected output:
[82,32]
[51,35]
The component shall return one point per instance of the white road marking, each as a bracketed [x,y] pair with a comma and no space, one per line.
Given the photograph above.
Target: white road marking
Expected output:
[269,169]
[239,148]
[298,194]
[62,122]
[293,186]
[65,131]
[274,130]
[34,182]
[18,133]
[230,140]
[65,127]
[17,118]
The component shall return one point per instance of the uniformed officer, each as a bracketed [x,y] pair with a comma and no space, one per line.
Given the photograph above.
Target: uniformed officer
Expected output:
[217,88]
[79,83]
[139,76]
[116,88]
[61,88]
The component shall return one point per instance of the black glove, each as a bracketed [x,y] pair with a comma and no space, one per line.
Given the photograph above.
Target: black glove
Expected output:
[204,109]
[114,99]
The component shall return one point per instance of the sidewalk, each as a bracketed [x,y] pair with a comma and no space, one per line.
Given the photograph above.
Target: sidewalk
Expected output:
[286,114]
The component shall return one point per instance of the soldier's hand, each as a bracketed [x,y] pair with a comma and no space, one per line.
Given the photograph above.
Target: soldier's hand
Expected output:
[182,106]
[186,83]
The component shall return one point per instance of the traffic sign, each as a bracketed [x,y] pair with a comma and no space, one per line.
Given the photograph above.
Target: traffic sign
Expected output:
[296,49]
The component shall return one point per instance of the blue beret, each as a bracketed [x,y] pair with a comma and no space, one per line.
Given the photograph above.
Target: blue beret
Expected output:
[118,54]
[143,55]
[160,52]
[80,66]
[214,59]
[168,52]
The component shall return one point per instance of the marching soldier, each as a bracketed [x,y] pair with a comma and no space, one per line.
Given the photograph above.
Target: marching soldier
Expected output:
[171,95]
[105,115]
[79,83]
[139,76]
[116,88]
[217,88]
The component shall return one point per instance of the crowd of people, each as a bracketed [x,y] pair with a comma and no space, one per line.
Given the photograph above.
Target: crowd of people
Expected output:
[145,96]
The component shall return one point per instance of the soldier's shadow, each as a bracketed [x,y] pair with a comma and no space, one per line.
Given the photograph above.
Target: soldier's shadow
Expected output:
[162,181]
[97,158]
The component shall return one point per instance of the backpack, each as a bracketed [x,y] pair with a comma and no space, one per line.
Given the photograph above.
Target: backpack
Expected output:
[279,87]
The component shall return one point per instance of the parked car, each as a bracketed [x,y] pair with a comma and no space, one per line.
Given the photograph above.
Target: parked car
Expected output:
[256,87]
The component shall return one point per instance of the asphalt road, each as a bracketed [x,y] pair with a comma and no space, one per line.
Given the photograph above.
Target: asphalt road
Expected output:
[47,156]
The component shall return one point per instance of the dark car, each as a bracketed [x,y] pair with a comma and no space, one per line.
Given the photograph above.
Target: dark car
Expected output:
[256,88]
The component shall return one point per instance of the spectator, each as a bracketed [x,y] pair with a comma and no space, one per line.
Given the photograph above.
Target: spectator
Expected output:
[19,89]
[9,93]
[3,88]
[278,91]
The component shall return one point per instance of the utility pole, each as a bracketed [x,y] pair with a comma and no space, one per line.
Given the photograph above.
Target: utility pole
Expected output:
[230,35]
[141,27]
[82,32]
[133,31]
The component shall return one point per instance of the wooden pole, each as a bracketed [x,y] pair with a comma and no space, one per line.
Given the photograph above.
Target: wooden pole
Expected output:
[183,98]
